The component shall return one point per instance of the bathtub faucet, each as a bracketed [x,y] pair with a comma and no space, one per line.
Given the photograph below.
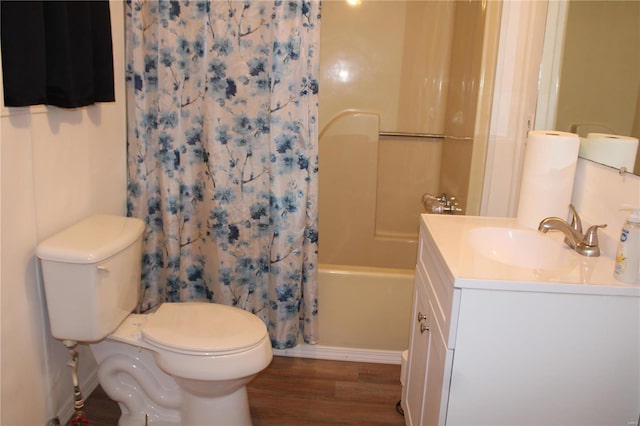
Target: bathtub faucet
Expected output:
[443,204]
[586,245]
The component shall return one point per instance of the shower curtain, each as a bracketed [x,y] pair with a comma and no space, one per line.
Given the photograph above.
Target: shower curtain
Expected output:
[222,156]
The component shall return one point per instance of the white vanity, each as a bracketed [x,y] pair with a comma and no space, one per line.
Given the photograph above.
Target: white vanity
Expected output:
[510,327]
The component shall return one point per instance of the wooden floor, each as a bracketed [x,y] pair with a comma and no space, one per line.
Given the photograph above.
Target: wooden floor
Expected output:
[306,392]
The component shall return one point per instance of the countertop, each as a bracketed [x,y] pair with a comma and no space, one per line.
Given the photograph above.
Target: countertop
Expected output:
[471,269]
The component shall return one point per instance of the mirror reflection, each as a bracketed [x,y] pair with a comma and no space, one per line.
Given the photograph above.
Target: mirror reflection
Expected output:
[598,83]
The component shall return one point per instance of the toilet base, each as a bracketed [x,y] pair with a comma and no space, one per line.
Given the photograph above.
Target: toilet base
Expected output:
[130,376]
[231,409]
[127,420]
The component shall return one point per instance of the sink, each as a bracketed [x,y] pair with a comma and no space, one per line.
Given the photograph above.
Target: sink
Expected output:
[521,247]
[498,253]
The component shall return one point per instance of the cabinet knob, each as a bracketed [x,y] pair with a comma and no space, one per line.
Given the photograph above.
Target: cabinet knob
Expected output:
[421,316]
[423,328]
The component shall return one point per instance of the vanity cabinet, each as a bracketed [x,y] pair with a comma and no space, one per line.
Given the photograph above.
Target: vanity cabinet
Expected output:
[530,349]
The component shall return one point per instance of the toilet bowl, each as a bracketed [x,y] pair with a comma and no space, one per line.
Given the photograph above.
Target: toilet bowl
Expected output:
[183,364]
[181,373]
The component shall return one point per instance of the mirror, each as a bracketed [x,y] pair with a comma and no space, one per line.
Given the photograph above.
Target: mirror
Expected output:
[590,75]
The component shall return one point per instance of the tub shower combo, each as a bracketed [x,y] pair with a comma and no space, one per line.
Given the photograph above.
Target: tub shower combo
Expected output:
[397,110]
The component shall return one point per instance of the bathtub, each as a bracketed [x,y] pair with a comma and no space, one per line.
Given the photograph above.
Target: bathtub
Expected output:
[364,315]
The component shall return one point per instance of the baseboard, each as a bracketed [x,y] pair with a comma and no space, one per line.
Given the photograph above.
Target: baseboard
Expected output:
[342,354]
[87,386]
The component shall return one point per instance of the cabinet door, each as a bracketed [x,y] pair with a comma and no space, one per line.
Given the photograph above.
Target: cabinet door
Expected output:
[429,368]
[418,357]
[436,393]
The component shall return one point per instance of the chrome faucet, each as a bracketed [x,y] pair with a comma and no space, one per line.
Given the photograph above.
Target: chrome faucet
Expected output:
[586,245]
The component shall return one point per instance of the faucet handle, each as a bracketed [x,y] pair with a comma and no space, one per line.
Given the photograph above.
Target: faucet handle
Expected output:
[589,245]
[576,223]
[591,236]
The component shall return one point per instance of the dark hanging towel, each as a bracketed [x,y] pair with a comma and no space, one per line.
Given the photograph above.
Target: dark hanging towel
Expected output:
[56,52]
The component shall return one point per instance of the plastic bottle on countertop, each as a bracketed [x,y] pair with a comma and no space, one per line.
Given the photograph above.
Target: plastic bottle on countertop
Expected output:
[627,267]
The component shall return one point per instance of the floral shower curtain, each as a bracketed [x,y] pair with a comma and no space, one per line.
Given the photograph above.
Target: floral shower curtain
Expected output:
[222,155]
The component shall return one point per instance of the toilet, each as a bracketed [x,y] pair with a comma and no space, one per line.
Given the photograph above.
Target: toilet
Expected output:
[183,364]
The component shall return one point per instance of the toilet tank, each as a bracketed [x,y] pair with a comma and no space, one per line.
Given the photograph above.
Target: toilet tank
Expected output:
[91,276]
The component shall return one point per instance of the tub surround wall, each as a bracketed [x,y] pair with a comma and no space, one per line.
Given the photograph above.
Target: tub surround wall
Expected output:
[57,167]
[404,44]
[465,78]
[436,61]
[370,186]
[398,194]
[425,67]
[360,196]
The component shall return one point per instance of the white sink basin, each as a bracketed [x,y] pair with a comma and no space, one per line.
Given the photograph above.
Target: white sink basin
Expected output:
[521,247]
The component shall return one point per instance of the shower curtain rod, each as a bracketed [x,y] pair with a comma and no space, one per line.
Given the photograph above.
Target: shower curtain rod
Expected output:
[411,135]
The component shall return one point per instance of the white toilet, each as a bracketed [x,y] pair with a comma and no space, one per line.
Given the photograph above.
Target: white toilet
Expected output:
[184,364]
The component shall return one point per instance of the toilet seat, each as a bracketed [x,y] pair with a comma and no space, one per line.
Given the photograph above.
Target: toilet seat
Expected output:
[204,329]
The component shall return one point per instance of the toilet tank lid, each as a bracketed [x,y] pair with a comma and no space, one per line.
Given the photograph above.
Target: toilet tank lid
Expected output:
[91,240]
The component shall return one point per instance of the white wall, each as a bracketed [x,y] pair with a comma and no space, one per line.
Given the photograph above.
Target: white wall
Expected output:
[57,166]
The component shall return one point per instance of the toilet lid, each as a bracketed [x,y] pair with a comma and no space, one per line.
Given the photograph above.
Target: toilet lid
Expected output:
[201,328]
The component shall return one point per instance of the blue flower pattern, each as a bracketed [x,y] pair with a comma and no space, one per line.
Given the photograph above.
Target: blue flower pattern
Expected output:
[222,155]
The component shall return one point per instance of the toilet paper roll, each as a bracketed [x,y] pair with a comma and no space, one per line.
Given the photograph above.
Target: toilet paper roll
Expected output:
[611,150]
[547,176]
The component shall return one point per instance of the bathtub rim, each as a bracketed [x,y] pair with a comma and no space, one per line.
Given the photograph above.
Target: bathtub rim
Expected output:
[368,271]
